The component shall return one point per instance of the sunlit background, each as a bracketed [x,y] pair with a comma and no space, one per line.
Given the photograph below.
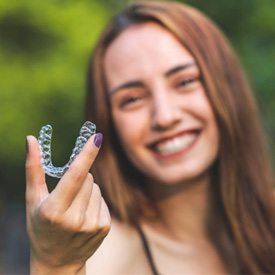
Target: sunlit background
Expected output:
[44,51]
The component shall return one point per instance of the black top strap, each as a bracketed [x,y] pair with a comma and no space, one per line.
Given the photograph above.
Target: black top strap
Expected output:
[147,251]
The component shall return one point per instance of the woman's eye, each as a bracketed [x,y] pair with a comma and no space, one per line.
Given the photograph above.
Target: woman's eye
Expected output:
[130,101]
[187,82]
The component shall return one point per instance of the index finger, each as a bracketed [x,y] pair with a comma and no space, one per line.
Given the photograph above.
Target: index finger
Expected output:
[81,165]
[71,182]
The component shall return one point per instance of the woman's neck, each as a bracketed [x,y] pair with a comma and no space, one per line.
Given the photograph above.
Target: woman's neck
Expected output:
[183,209]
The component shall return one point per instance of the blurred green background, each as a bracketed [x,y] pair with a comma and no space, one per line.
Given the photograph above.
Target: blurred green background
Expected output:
[44,52]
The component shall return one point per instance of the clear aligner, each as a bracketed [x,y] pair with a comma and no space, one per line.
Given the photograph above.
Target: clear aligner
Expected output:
[45,136]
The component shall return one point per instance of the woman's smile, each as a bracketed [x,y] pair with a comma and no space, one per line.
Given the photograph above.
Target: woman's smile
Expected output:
[176,145]
[159,106]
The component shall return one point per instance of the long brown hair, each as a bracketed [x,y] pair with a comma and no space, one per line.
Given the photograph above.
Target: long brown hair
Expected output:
[242,179]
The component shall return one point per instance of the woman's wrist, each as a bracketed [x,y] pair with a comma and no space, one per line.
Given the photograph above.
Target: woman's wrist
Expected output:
[39,268]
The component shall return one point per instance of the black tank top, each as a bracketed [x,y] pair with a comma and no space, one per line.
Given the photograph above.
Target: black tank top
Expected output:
[147,251]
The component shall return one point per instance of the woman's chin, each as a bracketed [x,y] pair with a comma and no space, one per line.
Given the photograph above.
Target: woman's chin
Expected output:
[181,179]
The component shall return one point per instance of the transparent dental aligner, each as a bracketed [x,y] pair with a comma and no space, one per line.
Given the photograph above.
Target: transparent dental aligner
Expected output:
[45,136]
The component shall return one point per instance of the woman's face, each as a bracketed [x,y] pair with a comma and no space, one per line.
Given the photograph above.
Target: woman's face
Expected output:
[161,112]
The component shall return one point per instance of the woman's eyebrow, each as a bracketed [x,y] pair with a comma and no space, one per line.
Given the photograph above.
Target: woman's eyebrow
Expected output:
[137,83]
[127,85]
[179,68]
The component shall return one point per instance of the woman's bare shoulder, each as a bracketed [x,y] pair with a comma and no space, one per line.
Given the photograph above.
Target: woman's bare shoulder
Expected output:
[121,251]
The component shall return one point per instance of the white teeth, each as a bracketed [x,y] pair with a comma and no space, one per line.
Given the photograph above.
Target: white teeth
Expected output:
[175,144]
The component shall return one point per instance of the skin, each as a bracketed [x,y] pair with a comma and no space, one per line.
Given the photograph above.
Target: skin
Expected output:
[166,99]
[162,103]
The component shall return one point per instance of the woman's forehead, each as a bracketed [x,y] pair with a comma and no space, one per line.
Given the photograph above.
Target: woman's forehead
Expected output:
[145,38]
[145,48]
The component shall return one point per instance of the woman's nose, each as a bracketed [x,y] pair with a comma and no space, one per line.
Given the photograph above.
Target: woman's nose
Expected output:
[165,113]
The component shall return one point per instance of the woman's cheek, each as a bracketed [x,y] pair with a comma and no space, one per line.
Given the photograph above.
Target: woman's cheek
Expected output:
[131,123]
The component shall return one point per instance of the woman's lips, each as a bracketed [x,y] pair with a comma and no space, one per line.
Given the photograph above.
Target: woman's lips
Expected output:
[175,145]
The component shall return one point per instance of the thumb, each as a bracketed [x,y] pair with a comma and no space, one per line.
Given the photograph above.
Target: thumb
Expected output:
[36,187]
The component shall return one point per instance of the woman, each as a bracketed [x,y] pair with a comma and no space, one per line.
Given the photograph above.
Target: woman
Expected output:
[183,168]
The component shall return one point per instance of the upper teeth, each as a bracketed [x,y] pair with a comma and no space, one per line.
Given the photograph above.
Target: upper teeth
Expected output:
[175,144]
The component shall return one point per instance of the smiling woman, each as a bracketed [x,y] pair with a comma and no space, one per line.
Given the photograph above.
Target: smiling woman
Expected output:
[181,110]
[183,168]
[159,92]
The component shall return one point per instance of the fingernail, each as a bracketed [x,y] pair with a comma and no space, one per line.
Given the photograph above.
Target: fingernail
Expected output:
[27,145]
[98,140]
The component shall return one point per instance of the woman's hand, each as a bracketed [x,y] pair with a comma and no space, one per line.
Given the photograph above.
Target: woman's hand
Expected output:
[65,226]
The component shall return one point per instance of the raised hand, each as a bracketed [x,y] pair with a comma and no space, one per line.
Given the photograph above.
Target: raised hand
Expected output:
[65,226]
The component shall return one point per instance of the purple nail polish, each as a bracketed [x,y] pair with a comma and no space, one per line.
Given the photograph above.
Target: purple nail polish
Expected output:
[98,140]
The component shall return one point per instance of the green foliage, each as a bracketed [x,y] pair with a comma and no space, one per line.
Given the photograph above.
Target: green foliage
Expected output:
[43,56]
[44,52]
